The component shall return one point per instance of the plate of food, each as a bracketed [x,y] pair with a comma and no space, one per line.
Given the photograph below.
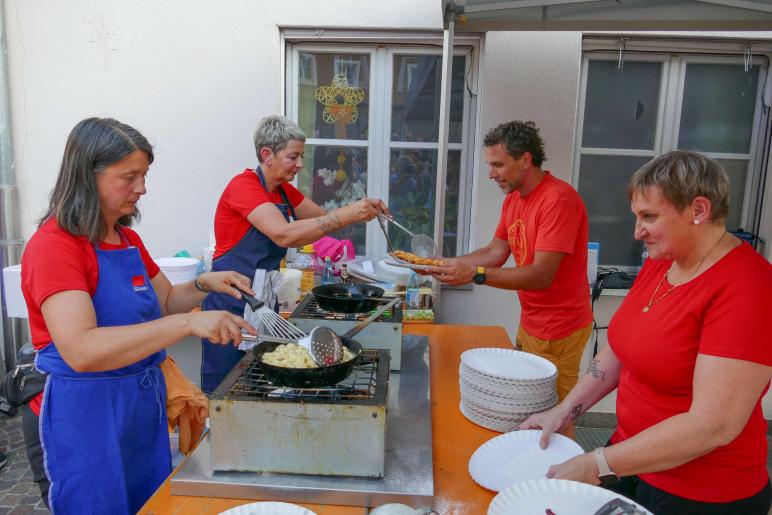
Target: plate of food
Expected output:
[408,260]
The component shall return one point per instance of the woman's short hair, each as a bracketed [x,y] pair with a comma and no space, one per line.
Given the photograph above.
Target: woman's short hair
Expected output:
[682,176]
[518,137]
[275,132]
[93,145]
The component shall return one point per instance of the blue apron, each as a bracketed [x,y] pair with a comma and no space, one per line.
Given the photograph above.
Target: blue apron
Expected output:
[104,434]
[254,251]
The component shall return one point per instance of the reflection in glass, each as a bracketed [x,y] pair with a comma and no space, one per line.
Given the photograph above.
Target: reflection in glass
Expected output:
[603,187]
[334,108]
[621,105]
[333,177]
[718,106]
[415,114]
[737,170]
[412,181]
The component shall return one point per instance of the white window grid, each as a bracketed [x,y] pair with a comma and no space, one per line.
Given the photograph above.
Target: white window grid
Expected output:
[671,91]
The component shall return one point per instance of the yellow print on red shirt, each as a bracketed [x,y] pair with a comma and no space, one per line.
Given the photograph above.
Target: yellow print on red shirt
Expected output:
[517,242]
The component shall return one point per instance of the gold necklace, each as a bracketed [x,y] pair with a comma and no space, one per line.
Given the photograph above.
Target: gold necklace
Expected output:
[654,299]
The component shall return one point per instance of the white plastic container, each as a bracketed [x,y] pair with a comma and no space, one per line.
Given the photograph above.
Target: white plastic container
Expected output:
[289,291]
[14,300]
[178,269]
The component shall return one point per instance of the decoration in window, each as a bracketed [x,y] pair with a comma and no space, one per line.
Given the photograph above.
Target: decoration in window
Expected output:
[335,110]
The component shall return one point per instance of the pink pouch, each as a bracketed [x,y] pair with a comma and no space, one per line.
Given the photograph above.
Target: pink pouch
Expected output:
[333,247]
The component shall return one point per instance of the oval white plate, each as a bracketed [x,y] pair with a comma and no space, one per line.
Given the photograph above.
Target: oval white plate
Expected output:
[405,264]
[562,497]
[514,457]
[508,363]
[268,508]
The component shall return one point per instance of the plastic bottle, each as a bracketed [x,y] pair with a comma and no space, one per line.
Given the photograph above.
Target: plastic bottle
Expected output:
[413,292]
[305,263]
[328,275]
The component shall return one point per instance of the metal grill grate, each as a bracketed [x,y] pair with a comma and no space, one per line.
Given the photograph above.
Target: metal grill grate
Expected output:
[362,384]
[310,309]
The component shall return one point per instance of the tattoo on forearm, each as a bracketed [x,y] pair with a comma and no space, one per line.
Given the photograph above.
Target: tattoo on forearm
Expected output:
[595,370]
[576,411]
[328,223]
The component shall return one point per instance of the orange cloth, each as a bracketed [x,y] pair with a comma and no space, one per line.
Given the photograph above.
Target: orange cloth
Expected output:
[186,405]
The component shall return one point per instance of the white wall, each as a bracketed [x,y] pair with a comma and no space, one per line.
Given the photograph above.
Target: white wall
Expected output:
[193,76]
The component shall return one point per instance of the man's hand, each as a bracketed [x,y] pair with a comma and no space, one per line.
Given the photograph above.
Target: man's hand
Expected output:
[454,272]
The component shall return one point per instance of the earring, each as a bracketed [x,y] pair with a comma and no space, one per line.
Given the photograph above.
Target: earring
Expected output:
[696,222]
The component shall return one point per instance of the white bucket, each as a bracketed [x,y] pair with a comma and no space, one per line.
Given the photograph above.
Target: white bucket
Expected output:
[289,291]
[178,269]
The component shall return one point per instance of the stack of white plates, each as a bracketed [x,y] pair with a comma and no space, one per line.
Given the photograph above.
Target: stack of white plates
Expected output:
[500,388]
[178,269]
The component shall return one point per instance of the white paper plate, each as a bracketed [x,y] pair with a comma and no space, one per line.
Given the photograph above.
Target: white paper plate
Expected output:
[498,382]
[494,424]
[514,457]
[562,497]
[508,364]
[268,508]
[405,264]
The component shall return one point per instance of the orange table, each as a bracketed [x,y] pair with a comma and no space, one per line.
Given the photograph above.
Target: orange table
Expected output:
[454,438]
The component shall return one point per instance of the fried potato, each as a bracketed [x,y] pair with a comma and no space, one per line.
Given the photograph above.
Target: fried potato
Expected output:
[417,260]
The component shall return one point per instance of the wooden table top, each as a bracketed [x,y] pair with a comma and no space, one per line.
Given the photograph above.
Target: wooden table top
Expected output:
[454,438]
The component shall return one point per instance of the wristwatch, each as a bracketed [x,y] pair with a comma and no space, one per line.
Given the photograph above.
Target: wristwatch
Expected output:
[606,476]
[479,277]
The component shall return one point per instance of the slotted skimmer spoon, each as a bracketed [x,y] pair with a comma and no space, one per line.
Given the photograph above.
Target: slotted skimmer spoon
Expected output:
[421,244]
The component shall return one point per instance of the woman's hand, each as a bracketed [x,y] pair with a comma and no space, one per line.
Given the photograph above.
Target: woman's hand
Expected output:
[581,468]
[365,210]
[218,326]
[548,421]
[226,282]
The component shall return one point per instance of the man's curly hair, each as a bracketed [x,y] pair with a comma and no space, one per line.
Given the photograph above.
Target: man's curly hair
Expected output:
[518,137]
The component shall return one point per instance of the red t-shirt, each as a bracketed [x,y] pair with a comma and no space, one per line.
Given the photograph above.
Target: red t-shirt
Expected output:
[725,311]
[55,261]
[241,196]
[552,218]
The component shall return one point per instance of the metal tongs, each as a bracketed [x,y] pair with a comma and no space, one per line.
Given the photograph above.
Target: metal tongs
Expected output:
[421,244]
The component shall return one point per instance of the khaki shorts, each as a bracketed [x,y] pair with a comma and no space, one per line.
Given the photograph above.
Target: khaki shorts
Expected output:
[565,354]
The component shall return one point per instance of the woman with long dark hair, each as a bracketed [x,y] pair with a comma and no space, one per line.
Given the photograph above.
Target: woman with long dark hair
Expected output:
[101,314]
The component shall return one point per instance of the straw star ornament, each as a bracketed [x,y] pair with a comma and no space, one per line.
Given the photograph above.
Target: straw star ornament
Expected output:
[335,110]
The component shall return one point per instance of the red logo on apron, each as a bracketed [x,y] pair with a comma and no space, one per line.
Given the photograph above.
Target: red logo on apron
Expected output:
[517,242]
[138,283]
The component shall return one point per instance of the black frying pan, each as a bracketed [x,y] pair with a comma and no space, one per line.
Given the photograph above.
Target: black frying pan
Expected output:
[348,298]
[307,377]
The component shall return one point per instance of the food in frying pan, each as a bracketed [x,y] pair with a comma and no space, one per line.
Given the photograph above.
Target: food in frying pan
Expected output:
[292,355]
[417,260]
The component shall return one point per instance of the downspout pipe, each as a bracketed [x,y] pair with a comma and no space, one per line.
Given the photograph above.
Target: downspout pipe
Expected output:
[10,240]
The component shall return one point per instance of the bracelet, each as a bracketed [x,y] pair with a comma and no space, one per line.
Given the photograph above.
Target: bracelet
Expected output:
[199,287]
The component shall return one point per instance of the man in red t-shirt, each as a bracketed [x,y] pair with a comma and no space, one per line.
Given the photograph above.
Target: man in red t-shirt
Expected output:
[544,227]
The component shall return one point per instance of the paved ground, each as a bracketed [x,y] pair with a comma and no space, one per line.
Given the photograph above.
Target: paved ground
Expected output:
[18,494]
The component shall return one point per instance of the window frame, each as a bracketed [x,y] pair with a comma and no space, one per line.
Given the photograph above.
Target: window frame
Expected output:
[668,124]
[379,143]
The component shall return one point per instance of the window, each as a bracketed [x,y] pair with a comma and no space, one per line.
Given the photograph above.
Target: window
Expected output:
[372,123]
[654,103]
